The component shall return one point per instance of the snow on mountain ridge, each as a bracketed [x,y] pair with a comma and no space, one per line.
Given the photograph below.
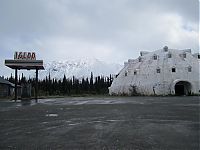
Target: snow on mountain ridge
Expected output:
[78,68]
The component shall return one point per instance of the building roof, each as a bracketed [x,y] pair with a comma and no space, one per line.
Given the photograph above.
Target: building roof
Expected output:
[3,81]
[24,64]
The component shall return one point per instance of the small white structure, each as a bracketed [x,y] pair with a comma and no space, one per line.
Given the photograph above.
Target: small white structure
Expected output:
[162,72]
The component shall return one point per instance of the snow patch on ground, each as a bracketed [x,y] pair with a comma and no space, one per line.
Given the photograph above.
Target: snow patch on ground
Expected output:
[51,115]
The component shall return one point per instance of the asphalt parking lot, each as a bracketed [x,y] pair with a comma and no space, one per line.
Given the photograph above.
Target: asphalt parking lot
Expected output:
[107,123]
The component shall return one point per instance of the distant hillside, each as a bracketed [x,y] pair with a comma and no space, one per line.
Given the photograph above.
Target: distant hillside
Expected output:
[79,68]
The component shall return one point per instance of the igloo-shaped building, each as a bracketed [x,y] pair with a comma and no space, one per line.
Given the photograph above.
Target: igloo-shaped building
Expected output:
[162,72]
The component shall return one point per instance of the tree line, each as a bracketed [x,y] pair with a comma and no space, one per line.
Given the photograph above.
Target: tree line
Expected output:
[68,86]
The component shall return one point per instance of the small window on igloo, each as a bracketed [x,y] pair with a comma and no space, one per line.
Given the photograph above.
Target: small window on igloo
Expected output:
[125,73]
[165,48]
[184,55]
[189,69]
[173,69]
[155,57]
[140,59]
[158,70]
[198,56]
[169,55]
[135,72]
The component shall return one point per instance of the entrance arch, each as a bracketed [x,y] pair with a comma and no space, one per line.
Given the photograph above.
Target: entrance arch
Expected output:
[183,88]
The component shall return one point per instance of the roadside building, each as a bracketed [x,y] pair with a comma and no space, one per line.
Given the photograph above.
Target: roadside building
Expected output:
[6,88]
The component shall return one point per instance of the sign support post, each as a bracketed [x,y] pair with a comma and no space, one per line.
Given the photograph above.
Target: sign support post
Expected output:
[36,89]
[15,84]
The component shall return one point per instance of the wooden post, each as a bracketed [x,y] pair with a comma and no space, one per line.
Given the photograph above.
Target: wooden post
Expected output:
[15,84]
[36,86]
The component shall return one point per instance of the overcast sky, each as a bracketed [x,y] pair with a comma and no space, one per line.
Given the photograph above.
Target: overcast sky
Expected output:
[109,30]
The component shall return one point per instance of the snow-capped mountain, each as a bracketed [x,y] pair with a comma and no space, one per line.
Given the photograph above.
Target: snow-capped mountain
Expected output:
[78,68]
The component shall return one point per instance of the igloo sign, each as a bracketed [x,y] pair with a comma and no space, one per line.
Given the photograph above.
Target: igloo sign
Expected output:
[24,56]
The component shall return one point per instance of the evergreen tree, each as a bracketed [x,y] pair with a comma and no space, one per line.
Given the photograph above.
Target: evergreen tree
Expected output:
[66,86]
[11,79]
[91,82]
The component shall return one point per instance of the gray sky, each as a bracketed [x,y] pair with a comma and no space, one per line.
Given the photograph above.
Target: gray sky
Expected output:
[109,30]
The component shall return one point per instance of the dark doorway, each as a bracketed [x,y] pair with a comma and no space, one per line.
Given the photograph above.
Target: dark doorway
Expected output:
[182,88]
[179,89]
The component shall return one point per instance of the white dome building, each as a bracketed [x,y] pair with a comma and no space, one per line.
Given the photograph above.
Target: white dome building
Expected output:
[162,72]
